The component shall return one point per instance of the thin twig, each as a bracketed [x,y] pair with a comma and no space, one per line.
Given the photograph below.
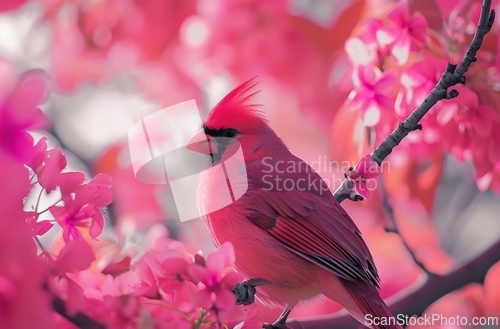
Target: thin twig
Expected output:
[80,319]
[452,76]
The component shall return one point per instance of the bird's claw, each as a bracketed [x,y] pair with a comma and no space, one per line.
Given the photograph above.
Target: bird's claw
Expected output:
[245,291]
[275,325]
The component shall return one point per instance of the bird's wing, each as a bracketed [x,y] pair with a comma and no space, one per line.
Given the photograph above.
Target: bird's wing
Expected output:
[308,221]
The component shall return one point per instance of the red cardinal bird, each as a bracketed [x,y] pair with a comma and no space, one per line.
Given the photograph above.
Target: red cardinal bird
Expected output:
[286,227]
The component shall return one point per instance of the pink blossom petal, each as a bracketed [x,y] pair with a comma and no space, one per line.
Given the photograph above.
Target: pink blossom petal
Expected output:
[227,251]
[59,213]
[203,299]
[75,298]
[467,97]
[48,175]
[481,167]
[446,113]
[386,81]
[237,314]
[97,191]
[169,286]
[357,99]
[117,267]
[363,164]
[362,189]
[371,116]
[367,168]
[146,285]
[31,90]
[68,181]
[97,224]
[481,125]
[494,151]
[102,179]
[225,299]
[483,183]
[419,27]
[38,154]
[218,260]
[231,279]
[400,15]
[384,102]
[43,227]
[401,48]
[488,112]
[174,266]
[198,273]
[8,78]
[76,255]
[357,51]
[388,34]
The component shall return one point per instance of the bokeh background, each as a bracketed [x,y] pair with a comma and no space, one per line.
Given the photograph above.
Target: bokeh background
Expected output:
[113,62]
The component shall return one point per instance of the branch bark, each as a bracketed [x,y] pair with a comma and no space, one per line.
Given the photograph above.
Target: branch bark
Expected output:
[416,298]
[452,76]
[80,320]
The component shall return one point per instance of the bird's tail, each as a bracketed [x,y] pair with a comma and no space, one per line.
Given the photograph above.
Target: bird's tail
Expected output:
[371,309]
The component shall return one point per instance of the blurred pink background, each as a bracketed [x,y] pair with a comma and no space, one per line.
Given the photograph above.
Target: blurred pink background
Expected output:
[112,62]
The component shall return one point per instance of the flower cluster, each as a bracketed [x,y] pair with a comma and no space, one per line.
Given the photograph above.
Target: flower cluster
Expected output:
[365,170]
[164,287]
[403,45]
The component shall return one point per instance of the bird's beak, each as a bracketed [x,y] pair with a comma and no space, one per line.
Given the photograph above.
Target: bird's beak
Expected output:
[201,143]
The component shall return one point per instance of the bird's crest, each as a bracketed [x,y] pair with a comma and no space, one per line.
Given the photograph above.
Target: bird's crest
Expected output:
[235,110]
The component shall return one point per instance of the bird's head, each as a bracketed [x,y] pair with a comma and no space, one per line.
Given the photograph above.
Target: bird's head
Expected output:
[234,121]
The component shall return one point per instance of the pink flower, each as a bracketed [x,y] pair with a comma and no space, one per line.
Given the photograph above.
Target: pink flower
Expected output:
[140,281]
[97,40]
[417,81]
[216,287]
[82,204]
[366,169]
[48,173]
[19,98]
[23,301]
[38,227]
[365,49]
[403,32]
[38,154]
[7,5]
[174,271]
[370,93]
[75,256]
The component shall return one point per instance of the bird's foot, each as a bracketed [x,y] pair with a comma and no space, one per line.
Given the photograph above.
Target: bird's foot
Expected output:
[275,325]
[245,291]
[280,323]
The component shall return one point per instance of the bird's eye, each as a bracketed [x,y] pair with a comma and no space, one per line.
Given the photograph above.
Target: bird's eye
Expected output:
[229,133]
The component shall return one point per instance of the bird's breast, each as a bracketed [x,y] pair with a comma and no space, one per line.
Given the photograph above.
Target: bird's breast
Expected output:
[258,253]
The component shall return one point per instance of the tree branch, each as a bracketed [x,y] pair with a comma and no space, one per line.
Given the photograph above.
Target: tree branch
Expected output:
[80,319]
[452,76]
[416,298]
